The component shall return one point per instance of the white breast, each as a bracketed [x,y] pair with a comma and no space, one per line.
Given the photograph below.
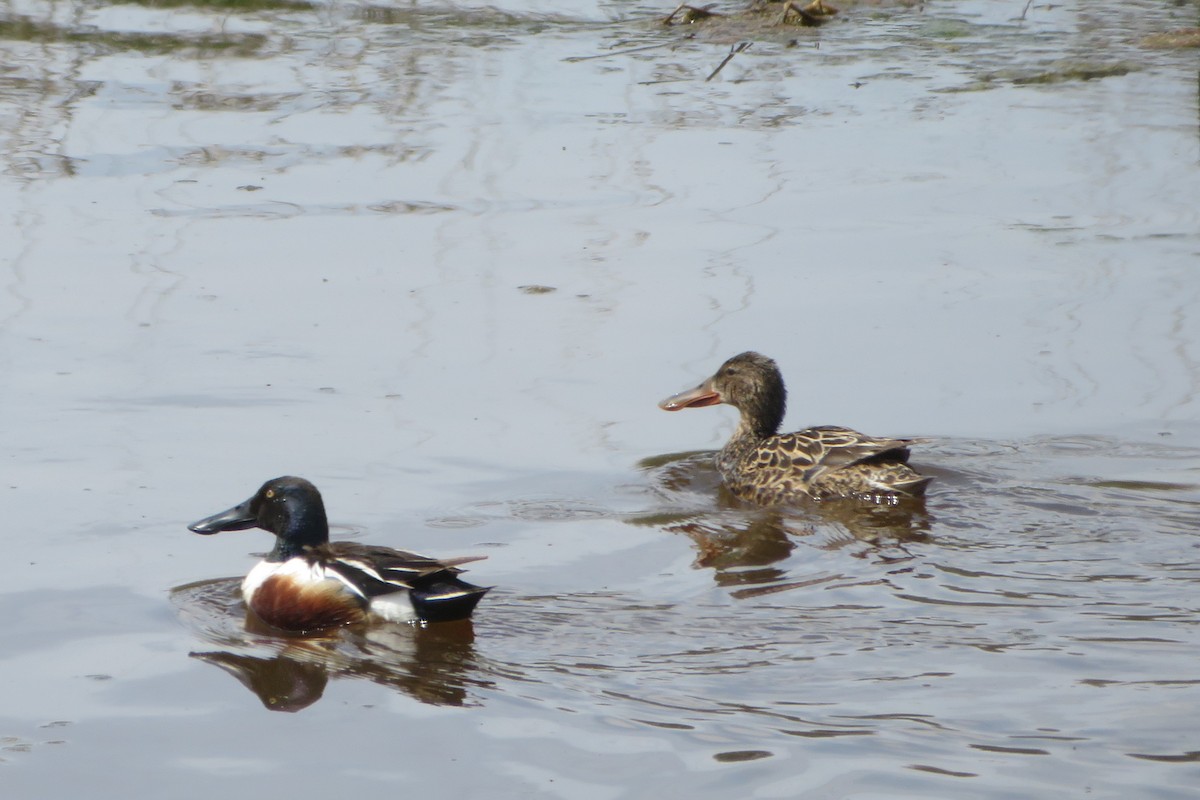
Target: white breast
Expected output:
[297,570]
[393,607]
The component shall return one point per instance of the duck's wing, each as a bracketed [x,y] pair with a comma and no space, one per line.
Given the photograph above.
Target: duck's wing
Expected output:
[834,446]
[813,451]
[371,570]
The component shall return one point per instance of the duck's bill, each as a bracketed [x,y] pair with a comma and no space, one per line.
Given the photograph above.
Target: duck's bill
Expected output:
[702,395]
[238,518]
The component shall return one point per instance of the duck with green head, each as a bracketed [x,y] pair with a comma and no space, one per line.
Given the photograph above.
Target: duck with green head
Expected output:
[307,583]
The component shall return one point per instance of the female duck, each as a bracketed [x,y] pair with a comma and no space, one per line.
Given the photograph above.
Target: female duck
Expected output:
[306,583]
[763,466]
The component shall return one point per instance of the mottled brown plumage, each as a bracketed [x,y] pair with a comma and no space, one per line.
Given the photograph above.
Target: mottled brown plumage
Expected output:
[763,466]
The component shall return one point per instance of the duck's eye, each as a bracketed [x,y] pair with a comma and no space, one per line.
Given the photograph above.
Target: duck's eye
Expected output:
[270,493]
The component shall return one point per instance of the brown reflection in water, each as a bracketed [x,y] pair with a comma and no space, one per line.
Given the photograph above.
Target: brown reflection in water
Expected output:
[740,541]
[289,672]
[281,683]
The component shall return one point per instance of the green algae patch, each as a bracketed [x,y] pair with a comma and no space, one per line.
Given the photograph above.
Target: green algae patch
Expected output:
[1058,72]
[25,29]
[1173,40]
[229,5]
[1068,72]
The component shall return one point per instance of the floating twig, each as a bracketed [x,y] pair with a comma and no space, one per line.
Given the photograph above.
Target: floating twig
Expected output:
[611,54]
[815,13]
[692,13]
[670,17]
[733,51]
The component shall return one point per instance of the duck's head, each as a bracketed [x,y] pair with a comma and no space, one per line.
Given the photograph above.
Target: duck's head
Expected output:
[289,507]
[750,382]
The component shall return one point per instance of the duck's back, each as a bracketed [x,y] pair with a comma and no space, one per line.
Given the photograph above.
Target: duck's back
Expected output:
[824,461]
[402,586]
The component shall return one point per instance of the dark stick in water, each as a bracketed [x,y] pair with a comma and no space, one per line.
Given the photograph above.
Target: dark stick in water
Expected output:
[733,51]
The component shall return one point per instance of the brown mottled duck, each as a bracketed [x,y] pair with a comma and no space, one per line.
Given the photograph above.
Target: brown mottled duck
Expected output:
[761,465]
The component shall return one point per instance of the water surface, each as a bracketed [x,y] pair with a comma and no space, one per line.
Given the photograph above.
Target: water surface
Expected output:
[443,259]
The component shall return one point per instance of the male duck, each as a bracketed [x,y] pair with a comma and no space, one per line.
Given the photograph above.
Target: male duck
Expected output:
[763,466]
[306,583]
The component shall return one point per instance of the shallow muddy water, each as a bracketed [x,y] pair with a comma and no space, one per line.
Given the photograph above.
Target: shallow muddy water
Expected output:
[444,259]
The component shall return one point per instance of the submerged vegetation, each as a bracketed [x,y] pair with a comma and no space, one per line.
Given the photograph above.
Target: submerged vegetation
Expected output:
[26,29]
[229,5]
[776,12]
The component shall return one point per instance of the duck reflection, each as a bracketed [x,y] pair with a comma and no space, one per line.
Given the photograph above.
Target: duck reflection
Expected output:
[435,664]
[281,683]
[741,541]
